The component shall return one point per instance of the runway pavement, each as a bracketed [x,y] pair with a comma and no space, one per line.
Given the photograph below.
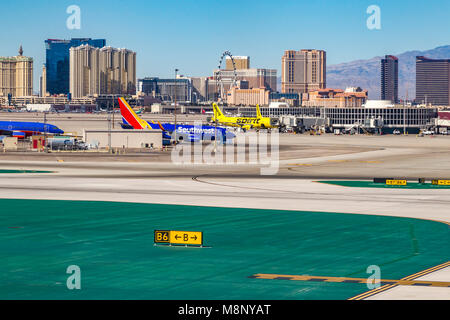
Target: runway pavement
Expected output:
[292,188]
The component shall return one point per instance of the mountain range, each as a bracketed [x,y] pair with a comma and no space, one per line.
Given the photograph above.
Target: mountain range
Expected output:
[367,73]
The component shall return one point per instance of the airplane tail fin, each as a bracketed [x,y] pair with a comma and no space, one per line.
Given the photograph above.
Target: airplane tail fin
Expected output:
[258,112]
[130,117]
[217,112]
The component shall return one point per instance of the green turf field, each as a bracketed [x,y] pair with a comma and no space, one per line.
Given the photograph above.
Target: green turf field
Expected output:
[23,171]
[112,243]
[370,184]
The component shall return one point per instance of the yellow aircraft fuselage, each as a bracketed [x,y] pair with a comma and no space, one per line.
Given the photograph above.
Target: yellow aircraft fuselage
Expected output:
[257,122]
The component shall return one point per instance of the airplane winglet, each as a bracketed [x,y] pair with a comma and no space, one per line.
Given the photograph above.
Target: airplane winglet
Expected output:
[161,126]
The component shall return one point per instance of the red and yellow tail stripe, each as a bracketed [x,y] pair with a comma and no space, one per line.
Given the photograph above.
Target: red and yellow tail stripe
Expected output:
[131,117]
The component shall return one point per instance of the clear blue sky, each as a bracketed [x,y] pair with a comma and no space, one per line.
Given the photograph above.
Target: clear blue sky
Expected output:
[191,34]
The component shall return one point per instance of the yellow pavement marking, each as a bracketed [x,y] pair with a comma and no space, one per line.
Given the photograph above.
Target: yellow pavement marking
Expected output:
[402,282]
[410,277]
[373,292]
[427,271]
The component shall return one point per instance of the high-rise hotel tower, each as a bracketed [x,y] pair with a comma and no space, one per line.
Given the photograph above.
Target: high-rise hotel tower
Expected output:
[389,78]
[107,70]
[16,75]
[433,81]
[303,71]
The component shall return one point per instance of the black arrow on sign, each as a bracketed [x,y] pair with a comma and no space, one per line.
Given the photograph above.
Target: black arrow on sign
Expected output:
[194,237]
[177,236]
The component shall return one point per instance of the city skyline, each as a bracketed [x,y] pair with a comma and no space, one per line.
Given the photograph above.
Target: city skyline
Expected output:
[192,35]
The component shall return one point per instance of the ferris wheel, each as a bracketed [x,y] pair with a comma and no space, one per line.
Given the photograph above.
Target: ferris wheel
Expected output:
[220,76]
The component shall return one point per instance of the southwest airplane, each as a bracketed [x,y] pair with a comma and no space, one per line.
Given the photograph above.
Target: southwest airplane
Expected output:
[258,122]
[21,129]
[185,132]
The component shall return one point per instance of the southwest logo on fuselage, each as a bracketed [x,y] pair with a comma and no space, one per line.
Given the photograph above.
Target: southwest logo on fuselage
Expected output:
[183,129]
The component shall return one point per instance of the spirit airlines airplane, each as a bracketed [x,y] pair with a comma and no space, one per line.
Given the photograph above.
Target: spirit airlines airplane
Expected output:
[185,132]
[258,122]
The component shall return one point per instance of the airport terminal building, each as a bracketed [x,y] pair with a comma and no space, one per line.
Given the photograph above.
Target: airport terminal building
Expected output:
[388,119]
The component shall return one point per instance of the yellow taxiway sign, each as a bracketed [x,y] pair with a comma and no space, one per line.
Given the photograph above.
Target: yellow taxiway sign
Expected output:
[396,182]
[179,237]
[441,182]
[186,237]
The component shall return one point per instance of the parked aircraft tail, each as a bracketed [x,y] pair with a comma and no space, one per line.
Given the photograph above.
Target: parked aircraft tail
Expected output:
[258,112]
[130,117]
[217,112]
